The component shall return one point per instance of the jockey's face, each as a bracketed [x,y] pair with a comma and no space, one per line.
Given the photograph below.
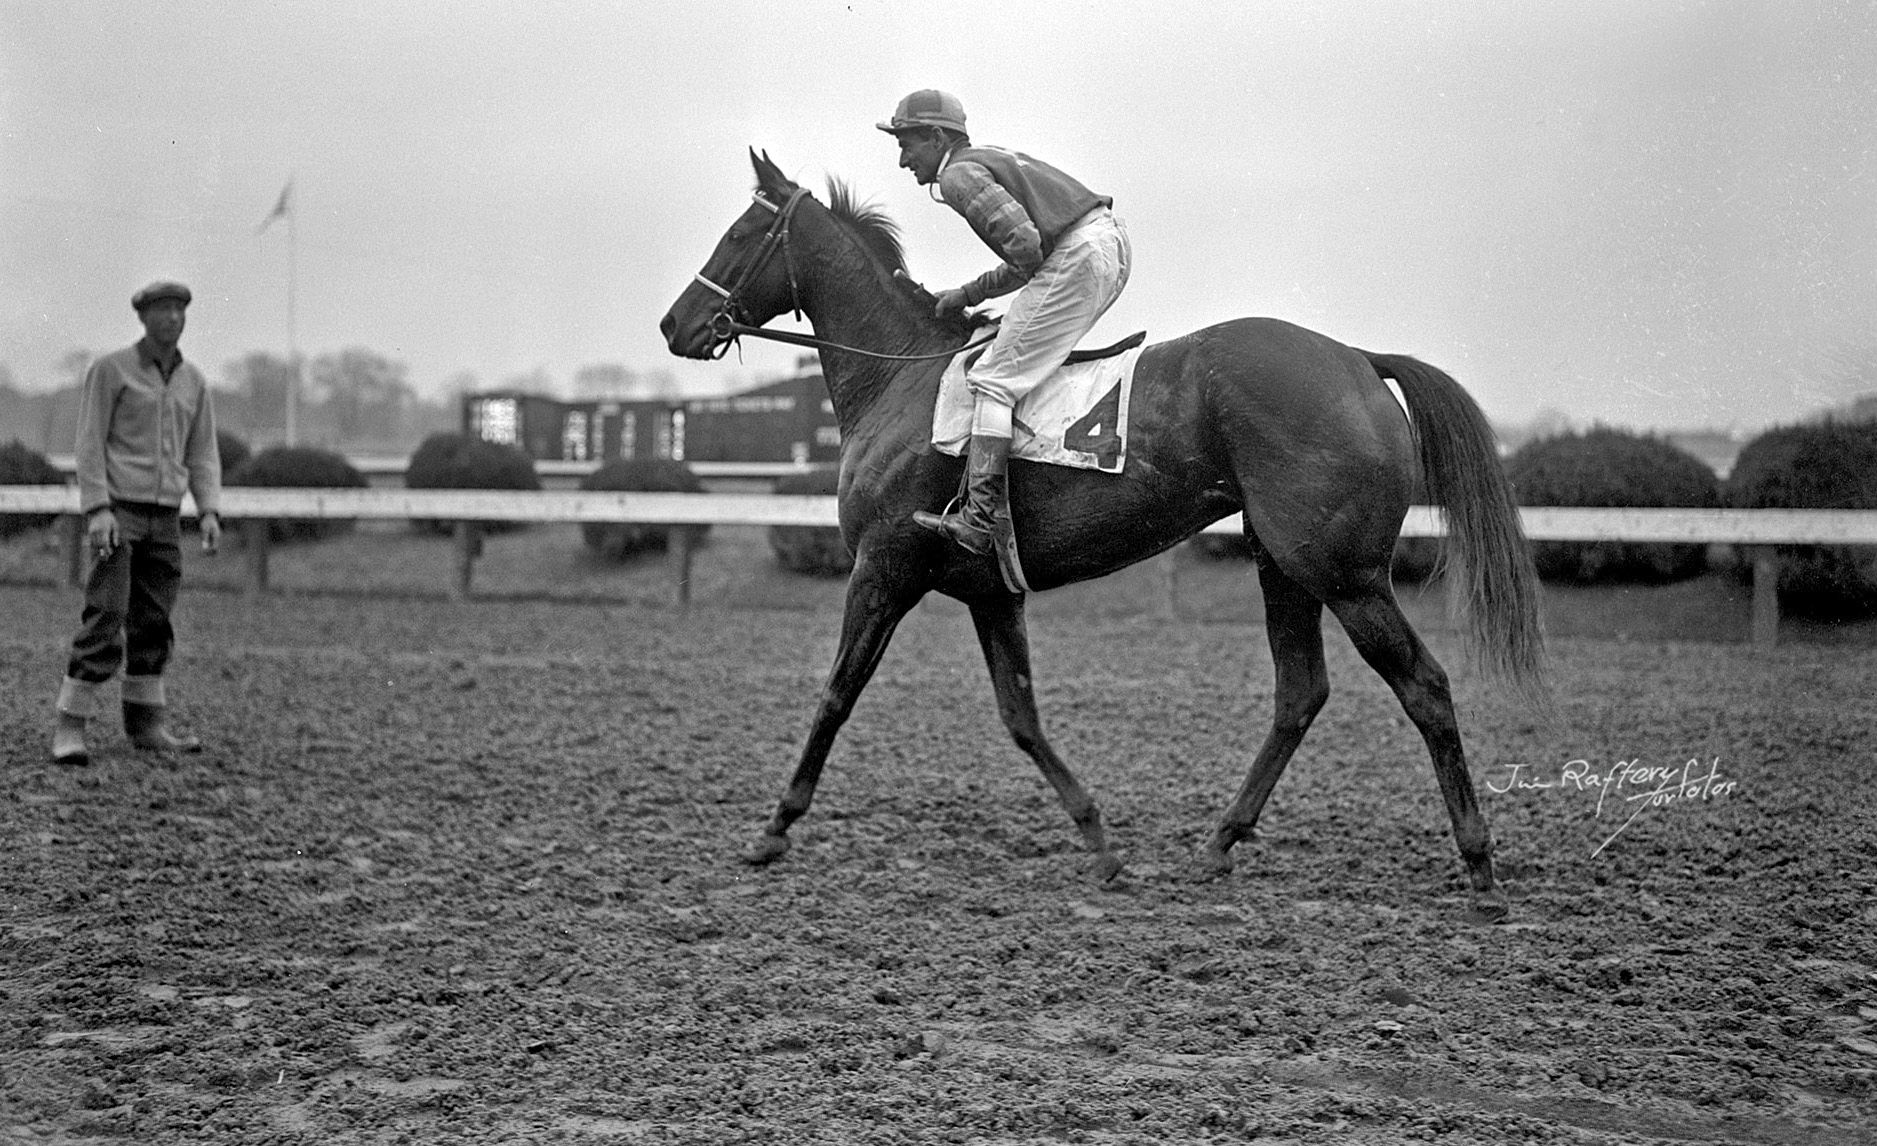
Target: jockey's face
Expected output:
[920,152]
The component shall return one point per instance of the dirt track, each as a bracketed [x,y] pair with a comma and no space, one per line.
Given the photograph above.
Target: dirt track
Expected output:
[467,873]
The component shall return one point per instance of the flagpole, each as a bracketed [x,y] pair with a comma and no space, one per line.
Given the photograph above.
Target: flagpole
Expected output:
[293,326]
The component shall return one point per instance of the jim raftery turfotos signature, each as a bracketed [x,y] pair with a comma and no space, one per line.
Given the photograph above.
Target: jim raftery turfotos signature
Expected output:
[1626,788]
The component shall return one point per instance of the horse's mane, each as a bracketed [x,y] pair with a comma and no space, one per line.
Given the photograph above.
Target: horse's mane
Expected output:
[869,223]
[876,231]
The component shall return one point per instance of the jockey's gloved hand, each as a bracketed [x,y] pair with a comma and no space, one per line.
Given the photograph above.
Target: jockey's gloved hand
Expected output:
[950,302]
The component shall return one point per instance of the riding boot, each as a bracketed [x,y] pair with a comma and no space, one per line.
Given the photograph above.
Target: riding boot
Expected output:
[68,742]
[986,512]
[148,729]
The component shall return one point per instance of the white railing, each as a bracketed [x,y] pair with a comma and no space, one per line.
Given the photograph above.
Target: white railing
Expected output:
[376,466]
[250,507]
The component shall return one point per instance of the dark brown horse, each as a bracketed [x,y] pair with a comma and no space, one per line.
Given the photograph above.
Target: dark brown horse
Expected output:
[1292,430]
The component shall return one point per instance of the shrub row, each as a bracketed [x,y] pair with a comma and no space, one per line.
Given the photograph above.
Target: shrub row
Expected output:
[617,541]
[1828,466]
[21,465]
[458,461]
[816,550]
[299,467]
[1613,468]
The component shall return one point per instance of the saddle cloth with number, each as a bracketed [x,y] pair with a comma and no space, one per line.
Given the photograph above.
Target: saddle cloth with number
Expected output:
[1077,417]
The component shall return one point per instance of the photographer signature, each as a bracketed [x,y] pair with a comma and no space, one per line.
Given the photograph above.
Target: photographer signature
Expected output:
[1634,787]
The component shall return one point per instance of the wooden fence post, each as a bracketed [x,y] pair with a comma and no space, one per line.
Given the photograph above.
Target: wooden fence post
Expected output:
[468,548]
[255,539]
[1168,605]
[1765,595]
[75,555]
[680,546]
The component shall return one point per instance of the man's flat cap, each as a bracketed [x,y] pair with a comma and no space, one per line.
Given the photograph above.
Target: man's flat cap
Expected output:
[160,290]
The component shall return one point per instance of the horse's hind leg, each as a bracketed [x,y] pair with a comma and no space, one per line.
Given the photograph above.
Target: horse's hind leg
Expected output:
[1006,645]
[875,605]
[1391,646]
[1293,625]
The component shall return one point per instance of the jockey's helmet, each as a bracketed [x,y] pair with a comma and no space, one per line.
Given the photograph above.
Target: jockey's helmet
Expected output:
[927,107]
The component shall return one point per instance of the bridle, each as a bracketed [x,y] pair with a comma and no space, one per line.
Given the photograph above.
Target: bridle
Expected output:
[729,323]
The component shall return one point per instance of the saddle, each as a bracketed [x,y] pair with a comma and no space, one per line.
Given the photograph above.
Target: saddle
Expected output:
[1082,422]
[1121,347]
[1080,354]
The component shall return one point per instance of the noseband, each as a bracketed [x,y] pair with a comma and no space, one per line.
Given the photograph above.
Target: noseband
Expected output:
[730,321]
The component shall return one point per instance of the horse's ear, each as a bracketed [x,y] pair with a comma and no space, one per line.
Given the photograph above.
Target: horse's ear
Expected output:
[769,177]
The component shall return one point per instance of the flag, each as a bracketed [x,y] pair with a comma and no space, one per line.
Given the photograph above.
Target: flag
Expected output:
[281,208]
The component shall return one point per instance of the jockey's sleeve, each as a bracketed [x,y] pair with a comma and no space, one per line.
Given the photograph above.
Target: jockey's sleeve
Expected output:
[999,280]
[1000,221]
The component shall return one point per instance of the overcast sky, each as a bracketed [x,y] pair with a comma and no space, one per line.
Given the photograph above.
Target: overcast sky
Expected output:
[1654,214]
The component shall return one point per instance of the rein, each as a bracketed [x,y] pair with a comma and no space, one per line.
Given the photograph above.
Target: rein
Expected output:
[726,327]
[729,330]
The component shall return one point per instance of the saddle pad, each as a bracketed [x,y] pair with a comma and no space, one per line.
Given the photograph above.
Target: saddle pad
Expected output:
[1077,417]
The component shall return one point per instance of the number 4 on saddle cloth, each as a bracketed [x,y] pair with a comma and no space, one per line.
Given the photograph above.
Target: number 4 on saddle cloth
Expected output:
[1078,416]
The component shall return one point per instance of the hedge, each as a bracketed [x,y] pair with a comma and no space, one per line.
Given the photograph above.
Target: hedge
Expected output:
[22,465]
[1613,468]
[299,467]
[816,550]
[617,541]
[233,450]
[1832,465]
[458,461]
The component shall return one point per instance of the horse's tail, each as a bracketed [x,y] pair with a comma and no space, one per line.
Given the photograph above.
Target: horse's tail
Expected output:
[1488,560]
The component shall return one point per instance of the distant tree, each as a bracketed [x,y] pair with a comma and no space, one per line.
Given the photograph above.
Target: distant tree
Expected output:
[660,384]
[536,381]
[611,380]
[363,393]
[8,385]
[74,363]
[261,379]
[604,380]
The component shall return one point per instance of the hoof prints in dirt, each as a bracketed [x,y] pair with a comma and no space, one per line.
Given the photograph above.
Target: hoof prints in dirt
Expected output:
[386,904]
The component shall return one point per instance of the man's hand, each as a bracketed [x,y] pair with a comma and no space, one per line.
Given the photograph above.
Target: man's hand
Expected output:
[950,302]
[101,532]
[211,532]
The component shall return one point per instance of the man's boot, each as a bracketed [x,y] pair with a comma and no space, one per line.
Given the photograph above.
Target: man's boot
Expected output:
[146,707]
[148,729]
[986,511]
[78,702]
[68,742]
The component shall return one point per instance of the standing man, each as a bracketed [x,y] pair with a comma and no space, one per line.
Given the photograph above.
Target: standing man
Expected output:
[146,433]
[1063,252]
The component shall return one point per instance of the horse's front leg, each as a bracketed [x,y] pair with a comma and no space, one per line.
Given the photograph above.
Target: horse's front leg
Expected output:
[876,603]
[1006,645]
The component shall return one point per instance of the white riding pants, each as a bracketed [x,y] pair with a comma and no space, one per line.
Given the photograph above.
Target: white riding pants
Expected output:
[1052,312]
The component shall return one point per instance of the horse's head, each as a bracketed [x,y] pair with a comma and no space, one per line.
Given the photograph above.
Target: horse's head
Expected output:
[750,277]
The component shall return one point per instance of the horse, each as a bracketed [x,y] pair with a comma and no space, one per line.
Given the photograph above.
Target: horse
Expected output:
[1293,431]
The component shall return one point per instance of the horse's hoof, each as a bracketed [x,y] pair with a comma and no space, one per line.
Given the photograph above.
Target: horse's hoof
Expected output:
[1490,906]
[1108,867]
[766,850]
[1214,862]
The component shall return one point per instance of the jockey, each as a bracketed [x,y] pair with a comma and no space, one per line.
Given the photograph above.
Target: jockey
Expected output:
[1065,254]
